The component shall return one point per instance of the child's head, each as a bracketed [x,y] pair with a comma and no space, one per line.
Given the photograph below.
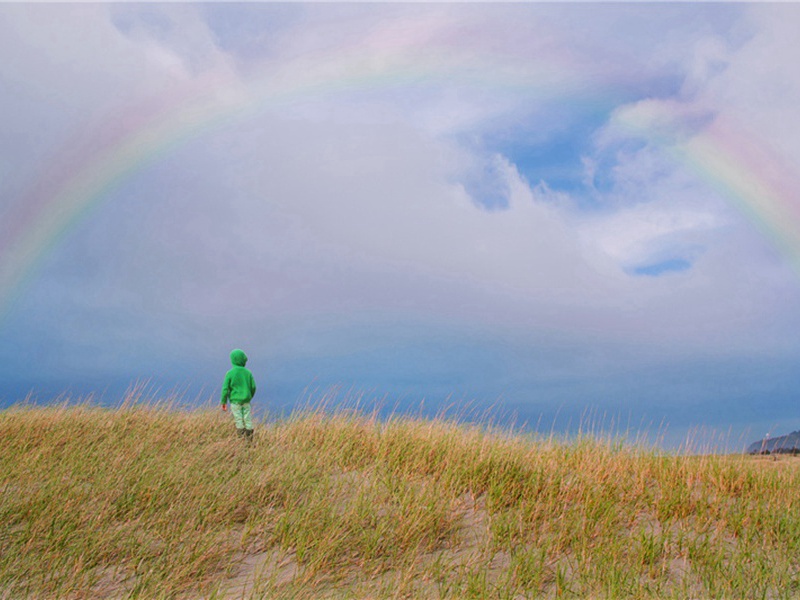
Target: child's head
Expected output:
[238,358]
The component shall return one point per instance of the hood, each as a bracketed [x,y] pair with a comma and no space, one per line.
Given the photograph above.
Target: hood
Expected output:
[238,358]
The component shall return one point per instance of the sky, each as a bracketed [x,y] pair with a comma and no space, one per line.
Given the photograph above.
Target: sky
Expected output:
[556,216]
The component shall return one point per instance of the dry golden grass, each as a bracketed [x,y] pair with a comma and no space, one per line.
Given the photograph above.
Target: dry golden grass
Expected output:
[150,501]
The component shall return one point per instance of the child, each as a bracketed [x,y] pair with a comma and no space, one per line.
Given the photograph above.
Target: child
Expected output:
[239,387]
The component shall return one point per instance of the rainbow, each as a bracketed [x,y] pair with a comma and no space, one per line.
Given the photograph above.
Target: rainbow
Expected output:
[80,181]
[75,185]
[749,174]
[754,179]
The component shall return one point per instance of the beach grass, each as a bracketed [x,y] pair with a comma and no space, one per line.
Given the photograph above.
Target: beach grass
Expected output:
[153,501]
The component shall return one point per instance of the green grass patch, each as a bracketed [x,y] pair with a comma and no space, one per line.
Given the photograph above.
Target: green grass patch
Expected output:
[149,501]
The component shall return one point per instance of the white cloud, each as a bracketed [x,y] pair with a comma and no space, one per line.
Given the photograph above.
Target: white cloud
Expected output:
[643,234]
[759,91]
[70,76]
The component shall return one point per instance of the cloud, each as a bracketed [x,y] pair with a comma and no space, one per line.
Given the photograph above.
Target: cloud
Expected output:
[756,88]
[650,232]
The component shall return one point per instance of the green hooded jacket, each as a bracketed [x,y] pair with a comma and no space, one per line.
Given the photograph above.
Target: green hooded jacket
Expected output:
[239,386]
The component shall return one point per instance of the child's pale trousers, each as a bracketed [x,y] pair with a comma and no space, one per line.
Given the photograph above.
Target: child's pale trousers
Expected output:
[241,415]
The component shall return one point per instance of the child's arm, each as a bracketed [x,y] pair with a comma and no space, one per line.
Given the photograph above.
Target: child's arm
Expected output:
[226,392]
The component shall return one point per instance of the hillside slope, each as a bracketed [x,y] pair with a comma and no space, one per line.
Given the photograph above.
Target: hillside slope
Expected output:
[153,502]
[784,444]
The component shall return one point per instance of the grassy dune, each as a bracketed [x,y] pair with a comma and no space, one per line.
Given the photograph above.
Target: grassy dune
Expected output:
[153,502]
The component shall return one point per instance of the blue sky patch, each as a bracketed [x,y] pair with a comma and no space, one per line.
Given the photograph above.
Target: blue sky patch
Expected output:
[554,157]
[672,265]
